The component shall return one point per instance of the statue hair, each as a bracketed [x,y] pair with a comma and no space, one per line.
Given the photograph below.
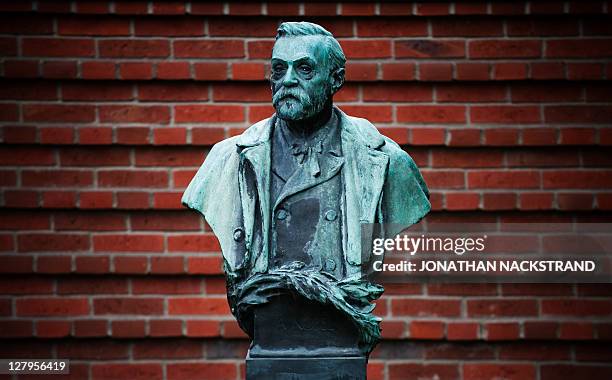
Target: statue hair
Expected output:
[303,28]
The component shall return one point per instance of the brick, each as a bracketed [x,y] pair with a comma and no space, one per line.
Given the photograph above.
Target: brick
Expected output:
[135,114]
[193,243]
[501,136]
[391,28]
[502,331]
[208,113]
[130,265]
[167,221]
[16,329]
[53,329]
[536,201]
[431,114]
[435,71]
[167,200]
[505,49]
[490,179]
[422,371]
[579,48]
[94,157]
[95,136]
[428,307]
[165,328]
[198,306]
[509,71]
[92,265]
[95,91]
[59,199]
[466,27]
[149,48]
[173,70]
[95,199]
[462,331]
[139,371]
[21,68]
[128,329]
[576,307]
[365,72]
[203,328]
[211,71]
[169,27]
[137,306]
[54,264]
[470,93]
[204,265]
[52,242]
[380,114]
[59,70]
[547,70]
[538,27]
[426,330]
[366,49]
[21,198]
[57,47]
[220,371]
[209,49]
[473,371]
[504,308]
[577,179]
[133,135]
[98,70]
[92,26]
[129,243]
[93,350]
[133,178]
[584,71]
[462,201]
[396,71]
[505,114]
[429,49]
[90,328]
[52,307]
[577,114]
[136,70]
[472,71]
[133,200]
[56,135]
[54,113]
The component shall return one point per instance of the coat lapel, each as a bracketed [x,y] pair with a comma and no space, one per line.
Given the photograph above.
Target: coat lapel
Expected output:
[254,181]
[301,179]
[364,179]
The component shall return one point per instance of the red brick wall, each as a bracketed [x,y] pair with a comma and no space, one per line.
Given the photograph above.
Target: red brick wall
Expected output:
[107,109]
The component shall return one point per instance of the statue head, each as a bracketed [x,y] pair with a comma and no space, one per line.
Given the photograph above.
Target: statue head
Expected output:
[307,70]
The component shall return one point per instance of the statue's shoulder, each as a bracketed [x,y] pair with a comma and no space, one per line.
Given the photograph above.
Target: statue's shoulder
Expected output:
[373,138]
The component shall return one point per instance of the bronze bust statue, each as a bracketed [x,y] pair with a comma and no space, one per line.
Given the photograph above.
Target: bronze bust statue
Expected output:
[287,199]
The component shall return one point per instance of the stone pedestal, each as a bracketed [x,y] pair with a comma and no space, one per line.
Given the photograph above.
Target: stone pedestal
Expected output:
[294,338]
[317,368]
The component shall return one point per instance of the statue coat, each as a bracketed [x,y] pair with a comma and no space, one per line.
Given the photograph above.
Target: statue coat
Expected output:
[231,189]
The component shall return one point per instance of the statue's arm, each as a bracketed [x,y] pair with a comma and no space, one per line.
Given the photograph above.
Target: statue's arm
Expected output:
[214,192]
[405,199]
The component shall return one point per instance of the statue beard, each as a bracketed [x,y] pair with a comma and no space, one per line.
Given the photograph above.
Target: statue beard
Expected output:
[293,104]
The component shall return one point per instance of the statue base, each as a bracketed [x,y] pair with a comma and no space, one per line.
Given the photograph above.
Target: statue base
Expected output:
[295,338]
[316,368]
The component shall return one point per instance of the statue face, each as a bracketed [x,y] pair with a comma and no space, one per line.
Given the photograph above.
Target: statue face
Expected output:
[301,77]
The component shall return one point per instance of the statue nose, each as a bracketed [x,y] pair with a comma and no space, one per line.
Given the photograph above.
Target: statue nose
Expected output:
[289,79]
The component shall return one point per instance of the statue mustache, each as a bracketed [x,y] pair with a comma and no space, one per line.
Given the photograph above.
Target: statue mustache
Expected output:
[303,98]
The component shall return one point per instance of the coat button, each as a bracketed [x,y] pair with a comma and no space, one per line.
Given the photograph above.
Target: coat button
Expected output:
[331,215]
[238,234]
[330,265]
[282,214]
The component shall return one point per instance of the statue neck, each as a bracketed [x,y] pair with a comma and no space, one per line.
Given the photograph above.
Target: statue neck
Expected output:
[307,127]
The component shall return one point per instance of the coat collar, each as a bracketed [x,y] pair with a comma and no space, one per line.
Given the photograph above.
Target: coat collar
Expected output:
[361,132]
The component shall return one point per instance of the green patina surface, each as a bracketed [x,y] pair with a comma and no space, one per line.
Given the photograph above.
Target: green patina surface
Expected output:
[231,189]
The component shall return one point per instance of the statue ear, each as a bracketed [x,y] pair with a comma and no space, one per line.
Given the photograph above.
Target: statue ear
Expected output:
[337,79]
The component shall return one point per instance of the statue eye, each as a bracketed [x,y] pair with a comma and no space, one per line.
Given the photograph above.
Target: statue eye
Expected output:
[305,69]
